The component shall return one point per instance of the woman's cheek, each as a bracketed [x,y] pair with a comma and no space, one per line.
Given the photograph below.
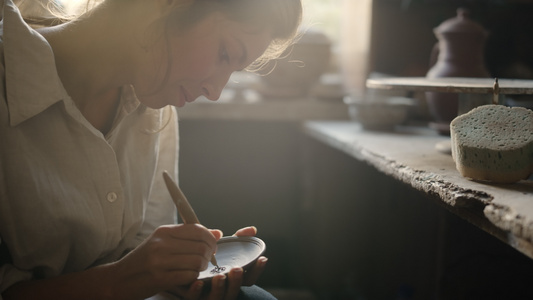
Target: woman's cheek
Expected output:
[202,67]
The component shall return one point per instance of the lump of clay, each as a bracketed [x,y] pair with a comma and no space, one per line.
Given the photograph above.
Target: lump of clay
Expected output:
[493,143]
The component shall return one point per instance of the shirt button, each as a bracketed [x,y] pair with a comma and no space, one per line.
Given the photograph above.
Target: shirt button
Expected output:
[112,197]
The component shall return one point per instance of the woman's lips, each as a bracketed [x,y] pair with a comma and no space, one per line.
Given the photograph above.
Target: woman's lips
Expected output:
[186,97]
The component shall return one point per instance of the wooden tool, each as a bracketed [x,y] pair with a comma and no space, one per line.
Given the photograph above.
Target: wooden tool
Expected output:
[184,208]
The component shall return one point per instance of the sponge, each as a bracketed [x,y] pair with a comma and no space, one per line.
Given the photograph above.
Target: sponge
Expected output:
[493,143]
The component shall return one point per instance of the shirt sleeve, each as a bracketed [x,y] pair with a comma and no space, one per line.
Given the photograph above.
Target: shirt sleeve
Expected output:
[160,209]
[10,275]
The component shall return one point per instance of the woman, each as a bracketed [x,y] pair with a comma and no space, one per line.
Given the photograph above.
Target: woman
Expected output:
[87,129]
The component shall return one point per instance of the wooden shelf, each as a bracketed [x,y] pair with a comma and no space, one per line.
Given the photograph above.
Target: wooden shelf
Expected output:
[409,155]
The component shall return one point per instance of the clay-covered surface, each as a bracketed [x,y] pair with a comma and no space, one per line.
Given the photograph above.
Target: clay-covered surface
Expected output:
[409,154]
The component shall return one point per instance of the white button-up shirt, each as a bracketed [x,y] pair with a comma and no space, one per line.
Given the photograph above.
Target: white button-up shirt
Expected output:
[70,197]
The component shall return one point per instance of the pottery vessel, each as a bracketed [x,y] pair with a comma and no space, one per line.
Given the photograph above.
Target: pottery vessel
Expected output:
[381,114]
[459,52]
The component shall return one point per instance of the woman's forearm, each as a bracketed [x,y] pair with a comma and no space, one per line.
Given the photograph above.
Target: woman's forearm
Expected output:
[92,284]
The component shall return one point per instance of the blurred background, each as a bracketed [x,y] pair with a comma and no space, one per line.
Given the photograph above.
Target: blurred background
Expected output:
[336,228]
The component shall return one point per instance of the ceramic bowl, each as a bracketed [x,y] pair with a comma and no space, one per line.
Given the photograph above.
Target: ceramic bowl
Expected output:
[382,114]
[234,252]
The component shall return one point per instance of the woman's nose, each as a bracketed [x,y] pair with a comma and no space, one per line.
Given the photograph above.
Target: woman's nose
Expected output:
[213,87]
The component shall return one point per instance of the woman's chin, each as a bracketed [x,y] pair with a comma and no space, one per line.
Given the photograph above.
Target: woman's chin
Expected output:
[155,103]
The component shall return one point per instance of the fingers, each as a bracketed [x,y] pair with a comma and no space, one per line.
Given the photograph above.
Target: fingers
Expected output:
[246,231]
[174,250]
[185,262]
[218,287]
[223,287]
[255,271]
[193,232]
[194,292]
[226,287]
[188,247]
[190,239]
[216,233]
[234,283]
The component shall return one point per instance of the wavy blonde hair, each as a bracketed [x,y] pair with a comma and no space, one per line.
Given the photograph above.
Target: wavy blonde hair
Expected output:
[282,17]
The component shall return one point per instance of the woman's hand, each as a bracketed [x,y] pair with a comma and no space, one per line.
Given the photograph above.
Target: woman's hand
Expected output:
[257,269]
[227,287]
[173,255]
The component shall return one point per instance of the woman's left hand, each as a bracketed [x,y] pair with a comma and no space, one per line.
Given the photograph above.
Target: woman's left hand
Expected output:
[252,274]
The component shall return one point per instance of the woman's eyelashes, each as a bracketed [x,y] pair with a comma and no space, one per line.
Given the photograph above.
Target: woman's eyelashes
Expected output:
[223,52]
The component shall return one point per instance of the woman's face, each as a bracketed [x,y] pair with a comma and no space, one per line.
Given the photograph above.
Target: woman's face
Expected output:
[201,61]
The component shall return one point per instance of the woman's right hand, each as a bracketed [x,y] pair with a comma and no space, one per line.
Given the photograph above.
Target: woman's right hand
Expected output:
[171,256]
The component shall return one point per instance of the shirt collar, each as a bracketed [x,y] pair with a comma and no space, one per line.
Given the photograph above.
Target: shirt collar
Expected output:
[32,82]
[129,100]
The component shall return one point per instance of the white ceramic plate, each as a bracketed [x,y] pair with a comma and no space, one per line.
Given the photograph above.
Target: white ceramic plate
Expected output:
[234,252]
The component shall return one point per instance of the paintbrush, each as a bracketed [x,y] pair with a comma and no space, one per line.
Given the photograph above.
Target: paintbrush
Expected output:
[184,208]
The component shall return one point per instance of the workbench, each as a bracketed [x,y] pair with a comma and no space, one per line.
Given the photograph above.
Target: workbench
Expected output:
[409,154]
[410,222]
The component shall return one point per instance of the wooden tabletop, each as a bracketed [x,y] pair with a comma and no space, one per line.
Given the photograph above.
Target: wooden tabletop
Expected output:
[410,155]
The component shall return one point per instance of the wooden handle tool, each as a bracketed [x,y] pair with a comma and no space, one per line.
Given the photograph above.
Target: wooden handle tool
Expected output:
[184,208]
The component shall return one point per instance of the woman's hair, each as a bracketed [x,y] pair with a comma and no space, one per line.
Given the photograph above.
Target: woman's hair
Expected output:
[45,13]
[281,17]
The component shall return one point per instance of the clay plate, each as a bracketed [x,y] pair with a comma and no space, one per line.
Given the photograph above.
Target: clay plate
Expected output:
[234,252]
